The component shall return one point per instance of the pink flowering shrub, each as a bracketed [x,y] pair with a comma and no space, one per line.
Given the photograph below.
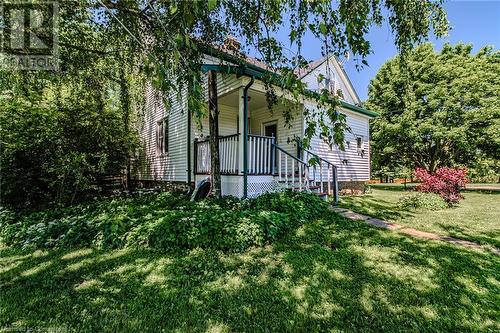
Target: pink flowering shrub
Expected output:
[446,182]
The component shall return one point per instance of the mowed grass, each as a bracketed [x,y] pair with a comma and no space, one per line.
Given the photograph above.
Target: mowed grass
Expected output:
[331,275]
[476,218]
[469,186]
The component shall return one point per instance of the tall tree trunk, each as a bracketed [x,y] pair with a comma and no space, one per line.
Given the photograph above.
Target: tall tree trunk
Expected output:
[213,124]
[126,108]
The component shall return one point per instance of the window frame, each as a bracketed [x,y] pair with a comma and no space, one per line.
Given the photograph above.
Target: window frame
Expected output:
[162,136]
[359,146]
[359,142]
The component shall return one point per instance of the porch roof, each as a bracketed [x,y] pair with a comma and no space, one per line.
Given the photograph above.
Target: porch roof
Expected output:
[246,67]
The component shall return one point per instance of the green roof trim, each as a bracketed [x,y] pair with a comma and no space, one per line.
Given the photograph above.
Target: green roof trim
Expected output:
[246,68]
[359,109]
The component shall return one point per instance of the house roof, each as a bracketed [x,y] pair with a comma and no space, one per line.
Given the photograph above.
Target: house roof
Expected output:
[301,72]
[258,68]
[316,63]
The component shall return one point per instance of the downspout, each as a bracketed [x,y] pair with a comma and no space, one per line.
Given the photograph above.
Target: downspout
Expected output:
[189,147]
[245,137]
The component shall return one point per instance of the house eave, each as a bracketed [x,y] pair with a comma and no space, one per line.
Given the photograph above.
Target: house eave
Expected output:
[359,109]
[246,68]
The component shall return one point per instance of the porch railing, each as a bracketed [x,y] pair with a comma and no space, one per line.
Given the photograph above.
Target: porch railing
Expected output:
[324,173]
[265,157]
[228,154]
[201,156]
[260,155]
[292,171]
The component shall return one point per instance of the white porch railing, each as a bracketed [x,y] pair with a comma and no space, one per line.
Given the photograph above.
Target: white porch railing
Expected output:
[308,172]
[202,157]
[260,155]
[324,173]
[228,154]
[292,172]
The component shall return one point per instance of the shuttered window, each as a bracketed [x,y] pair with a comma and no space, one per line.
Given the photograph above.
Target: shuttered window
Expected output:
[162,136]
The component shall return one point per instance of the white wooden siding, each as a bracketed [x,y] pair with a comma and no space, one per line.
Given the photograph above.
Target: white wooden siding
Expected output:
[285,133]
[171,165]
[357,167]
[311,79]
[228,117]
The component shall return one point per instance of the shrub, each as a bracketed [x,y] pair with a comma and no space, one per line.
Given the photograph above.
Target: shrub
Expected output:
[420,200]
[164,221]
[446,182]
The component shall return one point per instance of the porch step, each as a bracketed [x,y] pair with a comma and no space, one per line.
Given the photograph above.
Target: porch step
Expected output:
[296,181]
[314,187]
[283,175]
[322,195]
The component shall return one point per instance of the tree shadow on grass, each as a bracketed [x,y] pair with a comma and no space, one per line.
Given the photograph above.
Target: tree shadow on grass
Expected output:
[394,186]
[375,207]
[488,238]
[332,274]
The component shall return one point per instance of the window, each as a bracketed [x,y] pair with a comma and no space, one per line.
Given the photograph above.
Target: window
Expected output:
[327,83]
[162,136]
[359,146]
[330,84]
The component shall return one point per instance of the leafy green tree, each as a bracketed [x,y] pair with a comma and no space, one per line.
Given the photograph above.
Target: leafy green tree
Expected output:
[437,109]
[60,132]
[80,119]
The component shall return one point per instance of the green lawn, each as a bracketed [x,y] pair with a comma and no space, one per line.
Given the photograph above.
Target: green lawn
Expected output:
[469,187]
[331,275]
[483,185]
[392,185]
[476,218]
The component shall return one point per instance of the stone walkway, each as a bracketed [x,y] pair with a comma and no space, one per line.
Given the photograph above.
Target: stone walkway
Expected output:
[410,231]
[482,188]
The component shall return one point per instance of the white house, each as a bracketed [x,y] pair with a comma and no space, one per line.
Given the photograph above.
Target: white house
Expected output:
[176,150]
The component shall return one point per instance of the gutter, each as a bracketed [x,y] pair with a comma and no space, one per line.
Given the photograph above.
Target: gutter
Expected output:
[245,138]
[359,109]
[189,127]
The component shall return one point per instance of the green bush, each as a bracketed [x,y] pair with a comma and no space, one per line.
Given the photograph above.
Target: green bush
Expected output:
[164,221]
[419,200]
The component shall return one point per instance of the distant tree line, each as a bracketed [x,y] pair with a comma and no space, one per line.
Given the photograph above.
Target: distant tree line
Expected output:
[437,109]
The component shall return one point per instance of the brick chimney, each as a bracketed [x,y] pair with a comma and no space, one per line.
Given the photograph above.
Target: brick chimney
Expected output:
[232,44]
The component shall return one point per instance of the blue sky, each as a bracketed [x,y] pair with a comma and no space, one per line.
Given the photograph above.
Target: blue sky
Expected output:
[476,22]
[472,21]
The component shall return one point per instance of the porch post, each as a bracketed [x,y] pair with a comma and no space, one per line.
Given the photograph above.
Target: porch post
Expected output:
[245,138]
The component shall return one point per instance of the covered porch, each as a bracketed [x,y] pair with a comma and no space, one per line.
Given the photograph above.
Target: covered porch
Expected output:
[260,164]
[264,131]
[257,148]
